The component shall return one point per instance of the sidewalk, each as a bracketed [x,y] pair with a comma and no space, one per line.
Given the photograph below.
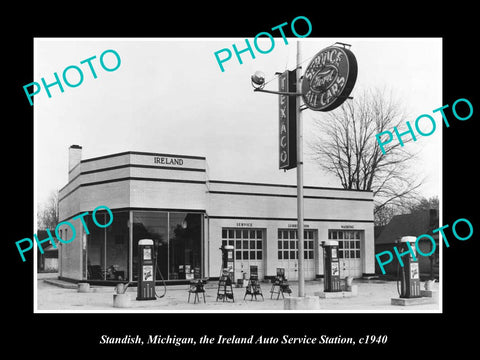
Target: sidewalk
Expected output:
[373,296]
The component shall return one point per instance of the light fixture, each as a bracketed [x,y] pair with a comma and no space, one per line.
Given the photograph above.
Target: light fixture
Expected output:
[258,80]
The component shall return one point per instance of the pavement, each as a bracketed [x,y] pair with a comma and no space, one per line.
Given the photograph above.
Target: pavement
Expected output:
[373,296]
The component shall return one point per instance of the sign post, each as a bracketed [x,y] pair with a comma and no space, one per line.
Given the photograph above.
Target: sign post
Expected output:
[327,82]
[301,274]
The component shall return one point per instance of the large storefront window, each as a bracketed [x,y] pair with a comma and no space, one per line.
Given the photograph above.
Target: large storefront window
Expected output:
[177,238]
[107,248]
[185,246]
[154,226]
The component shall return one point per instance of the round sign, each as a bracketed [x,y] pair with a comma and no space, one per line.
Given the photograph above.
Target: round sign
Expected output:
[329,78]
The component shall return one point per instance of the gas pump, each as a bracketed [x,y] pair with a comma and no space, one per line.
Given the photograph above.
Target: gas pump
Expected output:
[409,273]
[228,263]
[225,290]
[146,266]
[331,266]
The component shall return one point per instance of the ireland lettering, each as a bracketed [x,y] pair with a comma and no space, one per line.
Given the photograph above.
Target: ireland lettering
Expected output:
[167,160]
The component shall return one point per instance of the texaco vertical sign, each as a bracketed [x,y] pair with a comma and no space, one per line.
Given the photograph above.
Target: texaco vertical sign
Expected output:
[327,82]
[329,78]
[287,121]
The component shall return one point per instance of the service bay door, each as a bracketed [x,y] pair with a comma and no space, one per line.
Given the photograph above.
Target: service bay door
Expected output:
[288,254]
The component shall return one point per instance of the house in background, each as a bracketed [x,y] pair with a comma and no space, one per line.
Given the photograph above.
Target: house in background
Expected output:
[48,261]
[415,224]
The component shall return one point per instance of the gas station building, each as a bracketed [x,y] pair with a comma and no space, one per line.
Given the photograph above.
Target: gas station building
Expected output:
[171,200]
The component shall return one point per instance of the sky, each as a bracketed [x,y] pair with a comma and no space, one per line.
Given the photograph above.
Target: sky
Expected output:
[170,96]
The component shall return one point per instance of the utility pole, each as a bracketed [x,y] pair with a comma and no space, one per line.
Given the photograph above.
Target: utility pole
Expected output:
[301,274]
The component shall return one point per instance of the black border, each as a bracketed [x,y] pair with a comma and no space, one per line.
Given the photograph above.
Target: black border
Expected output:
[408,334]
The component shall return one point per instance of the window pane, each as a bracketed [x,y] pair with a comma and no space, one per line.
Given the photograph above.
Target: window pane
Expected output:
[347,254]
[285,244]
[340,234]
[280,253]
[107,249]
[230,234]
[238,255]
[340,254]
[305,254]
[238,244]
[292,244]
[334,235]
[224,242]
[352,254]
[252,234]
[224,233]
[293,234]
[259,244]
[357,234]
[259,234]
[245,244]
[245,234]
[329,234]
[310,254]
[238,234]
[259,255]
[252,255]
[280,243]
[340,244]
[357,254]
[357,244]
[310,244]
[252,244]
[352,244]
[280,233]
[292,254]
[184,245]
[285,255]
[231,242]
[245,255]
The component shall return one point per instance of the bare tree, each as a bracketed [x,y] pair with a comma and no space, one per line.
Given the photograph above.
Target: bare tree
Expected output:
[423,203]
[385,214]
[47,215]
[345,145]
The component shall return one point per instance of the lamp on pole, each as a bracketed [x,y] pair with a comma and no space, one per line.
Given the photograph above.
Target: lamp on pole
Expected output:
[299,135]
[258,82]
[329,79]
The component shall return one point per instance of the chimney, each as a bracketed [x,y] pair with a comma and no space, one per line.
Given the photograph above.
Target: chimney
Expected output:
[74,156]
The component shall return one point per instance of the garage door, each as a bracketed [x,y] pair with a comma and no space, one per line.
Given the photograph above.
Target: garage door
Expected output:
[288,255]
[248,249]
[349,251]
